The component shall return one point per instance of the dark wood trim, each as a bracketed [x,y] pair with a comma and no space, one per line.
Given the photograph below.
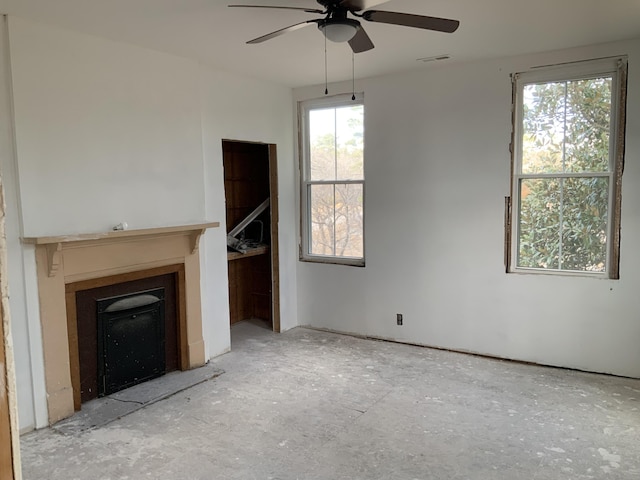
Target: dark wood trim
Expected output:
[508,214]
[275,250]
[74,352]
[614,268]
[181,310]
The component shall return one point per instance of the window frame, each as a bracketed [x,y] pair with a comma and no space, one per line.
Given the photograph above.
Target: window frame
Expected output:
[617,68]
[304,109]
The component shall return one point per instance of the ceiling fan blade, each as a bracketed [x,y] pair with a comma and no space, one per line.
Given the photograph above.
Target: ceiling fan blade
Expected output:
[282,31]
[357,5]
[308,10]
[361,42]
[409,20]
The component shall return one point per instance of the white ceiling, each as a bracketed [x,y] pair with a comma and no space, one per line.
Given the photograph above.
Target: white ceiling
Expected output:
[210,31]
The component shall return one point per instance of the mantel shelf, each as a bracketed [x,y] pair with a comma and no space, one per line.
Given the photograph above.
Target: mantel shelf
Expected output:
[82,237]
[54,245]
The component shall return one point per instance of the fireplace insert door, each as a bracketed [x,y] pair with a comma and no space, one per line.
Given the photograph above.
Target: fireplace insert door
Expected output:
[131,340]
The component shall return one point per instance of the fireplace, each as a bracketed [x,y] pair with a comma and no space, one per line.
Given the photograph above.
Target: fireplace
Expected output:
[131,340]
[70,265]
[127,332]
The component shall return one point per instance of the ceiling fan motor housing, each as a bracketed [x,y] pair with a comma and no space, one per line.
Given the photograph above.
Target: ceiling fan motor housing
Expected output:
[339,29]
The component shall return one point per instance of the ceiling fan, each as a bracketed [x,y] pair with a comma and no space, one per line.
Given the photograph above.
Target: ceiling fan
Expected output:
[338,27]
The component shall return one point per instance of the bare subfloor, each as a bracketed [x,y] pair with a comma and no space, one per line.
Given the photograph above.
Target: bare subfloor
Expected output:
[315,405]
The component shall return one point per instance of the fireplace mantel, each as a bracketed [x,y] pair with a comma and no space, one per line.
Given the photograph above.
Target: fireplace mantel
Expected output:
[66,261]
[55,244]
[82,237]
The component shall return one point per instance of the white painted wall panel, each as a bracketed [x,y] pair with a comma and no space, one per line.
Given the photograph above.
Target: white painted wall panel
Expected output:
[106,133]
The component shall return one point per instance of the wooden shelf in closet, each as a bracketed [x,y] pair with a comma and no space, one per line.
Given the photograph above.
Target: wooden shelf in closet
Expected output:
[251,252]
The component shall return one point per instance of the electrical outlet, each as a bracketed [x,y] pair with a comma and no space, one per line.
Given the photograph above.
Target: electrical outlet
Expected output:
[399,318]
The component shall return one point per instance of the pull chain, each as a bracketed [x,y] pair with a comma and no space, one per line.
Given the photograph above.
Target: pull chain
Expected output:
[326,87]
[353,76]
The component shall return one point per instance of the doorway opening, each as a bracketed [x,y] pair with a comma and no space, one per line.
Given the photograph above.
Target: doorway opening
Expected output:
[251,193]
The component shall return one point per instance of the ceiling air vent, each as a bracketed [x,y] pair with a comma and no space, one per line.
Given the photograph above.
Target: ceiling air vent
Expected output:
[435,58]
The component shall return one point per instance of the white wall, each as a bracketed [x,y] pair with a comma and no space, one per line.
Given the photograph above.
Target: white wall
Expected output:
[236,108]
[437,172]
[28,360]
[107,132]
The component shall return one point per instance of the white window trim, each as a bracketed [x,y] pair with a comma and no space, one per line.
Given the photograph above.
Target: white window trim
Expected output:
[617,67]
[304,107]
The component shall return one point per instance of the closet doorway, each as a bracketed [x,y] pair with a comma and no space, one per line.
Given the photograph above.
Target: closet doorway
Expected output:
[251,193]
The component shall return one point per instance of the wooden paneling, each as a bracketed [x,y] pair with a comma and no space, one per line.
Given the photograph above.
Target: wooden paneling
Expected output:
[260,287]
[251,177]
[239,284]
[250,288]
[246,179]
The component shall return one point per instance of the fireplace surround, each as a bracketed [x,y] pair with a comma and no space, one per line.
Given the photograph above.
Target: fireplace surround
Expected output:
[68,263]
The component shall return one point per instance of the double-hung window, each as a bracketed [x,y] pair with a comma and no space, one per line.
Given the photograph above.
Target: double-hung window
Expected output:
[567,167]
[332,171]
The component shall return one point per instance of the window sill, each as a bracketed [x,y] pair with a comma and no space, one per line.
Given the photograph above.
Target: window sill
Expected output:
[350,262]
[561,273]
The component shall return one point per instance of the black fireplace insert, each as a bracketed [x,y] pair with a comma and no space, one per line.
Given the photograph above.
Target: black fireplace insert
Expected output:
[131,339]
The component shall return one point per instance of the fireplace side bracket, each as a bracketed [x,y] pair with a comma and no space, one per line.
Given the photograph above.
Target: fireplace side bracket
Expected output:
[195,240]
[54,256]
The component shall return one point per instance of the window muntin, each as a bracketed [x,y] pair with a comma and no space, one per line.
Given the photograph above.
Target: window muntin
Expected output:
[332,158]
[567,165]
[566,126]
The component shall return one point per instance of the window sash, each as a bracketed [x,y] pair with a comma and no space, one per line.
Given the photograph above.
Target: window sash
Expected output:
[306,183]
[562,223]
[616,69]
[341,258]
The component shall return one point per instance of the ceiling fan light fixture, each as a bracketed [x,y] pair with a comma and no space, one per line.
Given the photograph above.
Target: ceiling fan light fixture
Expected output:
[339,30]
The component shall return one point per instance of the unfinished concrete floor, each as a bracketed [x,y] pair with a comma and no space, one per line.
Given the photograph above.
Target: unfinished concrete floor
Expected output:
[314,405]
